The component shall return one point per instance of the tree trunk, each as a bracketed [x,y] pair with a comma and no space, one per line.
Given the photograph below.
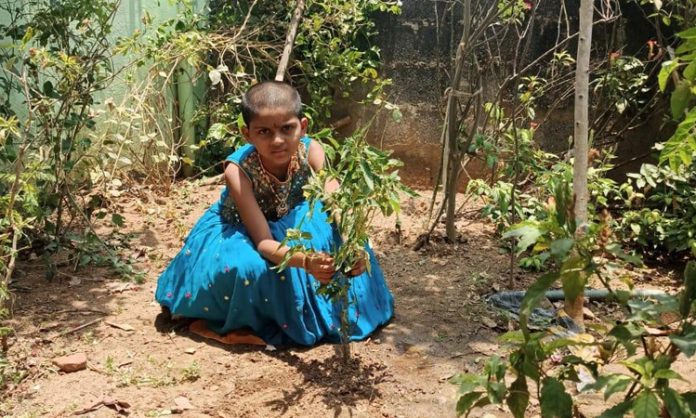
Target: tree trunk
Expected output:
[451,157]
[582,78]
[290,40]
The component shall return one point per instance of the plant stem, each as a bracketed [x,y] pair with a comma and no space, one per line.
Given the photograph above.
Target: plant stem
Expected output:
[345,334]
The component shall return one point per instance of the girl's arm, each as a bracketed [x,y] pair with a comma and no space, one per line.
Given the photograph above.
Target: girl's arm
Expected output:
[316,158]
[256,224]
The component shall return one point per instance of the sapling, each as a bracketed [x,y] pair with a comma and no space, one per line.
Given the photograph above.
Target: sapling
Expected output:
[369,183]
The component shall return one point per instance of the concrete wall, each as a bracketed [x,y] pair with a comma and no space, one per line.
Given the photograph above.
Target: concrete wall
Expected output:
[416,52]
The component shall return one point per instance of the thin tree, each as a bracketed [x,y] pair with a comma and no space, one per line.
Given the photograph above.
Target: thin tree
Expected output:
[574,301]
[290,40]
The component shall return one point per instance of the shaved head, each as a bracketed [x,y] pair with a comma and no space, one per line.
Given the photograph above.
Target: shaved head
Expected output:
[270,95]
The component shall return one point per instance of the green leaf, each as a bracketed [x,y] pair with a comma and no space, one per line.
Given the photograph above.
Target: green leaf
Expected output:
[688,34]
[466,401]
[117,219]
[532,297]
[618,383]
[518,399]
[640,366]
[217,131]
[688,295]
[496,391]
[690,71]
[573,276]
[667,374]
[618,411]
[240,122]
[560,247]
[675,404]
[665,72]
[646,405]
[467,382]
[690,399]
[626,334]
[555,402]
[680,98]
[616,250]
[681,144]
[527,234]
[495,368]
[612,383]
[686,342]
[367,175]
[48,89]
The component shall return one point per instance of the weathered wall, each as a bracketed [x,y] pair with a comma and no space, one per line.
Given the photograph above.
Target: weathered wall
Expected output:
[416,55]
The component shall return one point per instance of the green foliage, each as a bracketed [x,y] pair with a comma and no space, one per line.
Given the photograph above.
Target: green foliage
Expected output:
[679,149]
[543,207]
[56,60]
[333,59]
[646,379]
[662,209]
[623,83]
[59,60]
[513,11]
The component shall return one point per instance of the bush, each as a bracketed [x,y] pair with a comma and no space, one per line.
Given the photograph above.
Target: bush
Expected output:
[662,218]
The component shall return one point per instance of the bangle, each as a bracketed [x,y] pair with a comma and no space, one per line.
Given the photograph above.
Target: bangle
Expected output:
[304,261]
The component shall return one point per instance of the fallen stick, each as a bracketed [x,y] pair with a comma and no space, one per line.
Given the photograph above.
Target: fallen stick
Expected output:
[78,311]
[83,326]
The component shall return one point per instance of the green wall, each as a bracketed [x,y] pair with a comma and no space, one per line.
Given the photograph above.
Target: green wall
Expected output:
[128,18]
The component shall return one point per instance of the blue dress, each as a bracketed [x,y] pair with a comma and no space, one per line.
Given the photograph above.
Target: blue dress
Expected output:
[219,275]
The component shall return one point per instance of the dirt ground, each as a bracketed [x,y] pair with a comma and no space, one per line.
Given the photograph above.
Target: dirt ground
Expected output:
[152,367]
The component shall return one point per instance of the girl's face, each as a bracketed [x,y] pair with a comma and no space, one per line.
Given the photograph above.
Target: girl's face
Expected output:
[275,133]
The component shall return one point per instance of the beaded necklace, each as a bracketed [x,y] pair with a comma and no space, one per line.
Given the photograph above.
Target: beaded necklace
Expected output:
[281,196]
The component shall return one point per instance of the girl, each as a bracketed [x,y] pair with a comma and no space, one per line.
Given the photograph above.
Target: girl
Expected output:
[224,273]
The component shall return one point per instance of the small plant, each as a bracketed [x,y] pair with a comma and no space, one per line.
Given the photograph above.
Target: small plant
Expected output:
[191,373]
[663,327]
[537,204]
[109,365]
[369,183]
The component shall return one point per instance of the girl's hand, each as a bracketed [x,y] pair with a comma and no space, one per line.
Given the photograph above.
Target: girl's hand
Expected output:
[321,266]
[358,268]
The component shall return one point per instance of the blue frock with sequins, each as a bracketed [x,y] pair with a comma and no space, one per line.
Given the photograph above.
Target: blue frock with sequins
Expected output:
[219,275]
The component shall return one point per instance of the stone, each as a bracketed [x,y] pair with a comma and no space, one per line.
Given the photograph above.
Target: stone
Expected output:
[489,322]
[181,404]
[71,363]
